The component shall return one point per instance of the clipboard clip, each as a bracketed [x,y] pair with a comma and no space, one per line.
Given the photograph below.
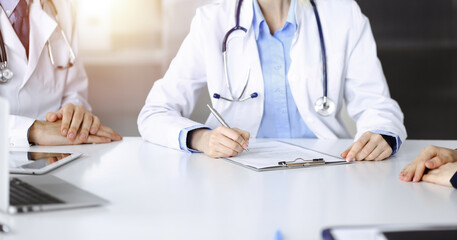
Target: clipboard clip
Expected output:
[300,162]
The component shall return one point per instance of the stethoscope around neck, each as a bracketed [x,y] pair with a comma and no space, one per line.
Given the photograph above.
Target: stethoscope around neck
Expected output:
[323,105]
[7,74]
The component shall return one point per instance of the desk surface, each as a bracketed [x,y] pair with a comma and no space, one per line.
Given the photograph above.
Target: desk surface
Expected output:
[160,193]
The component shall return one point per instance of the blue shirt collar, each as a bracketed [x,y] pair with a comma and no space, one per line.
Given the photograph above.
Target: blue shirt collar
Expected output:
[259,19]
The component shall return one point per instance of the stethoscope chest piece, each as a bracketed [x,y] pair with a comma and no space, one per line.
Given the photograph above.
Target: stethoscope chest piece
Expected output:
[5,73]
[324,106]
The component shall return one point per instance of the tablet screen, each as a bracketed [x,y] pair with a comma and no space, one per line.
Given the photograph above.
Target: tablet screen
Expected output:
[422,235]
[34,160]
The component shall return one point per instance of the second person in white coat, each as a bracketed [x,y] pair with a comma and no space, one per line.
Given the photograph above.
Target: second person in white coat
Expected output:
[280,53]
[47,97]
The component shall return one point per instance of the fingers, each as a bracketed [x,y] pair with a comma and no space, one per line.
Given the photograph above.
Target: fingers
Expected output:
[415,170]
[345,153]
[234,135]
[78,116]
[51,117]
[229,144]
[225,147]
[97,139]
[67,115]
[357,146]
[107,132]
[387,152]
[407,173]
[245,135]
[370,146]
[226,142]
[95,125]
[85,127]
[434,162]
[367,153]
[420,169]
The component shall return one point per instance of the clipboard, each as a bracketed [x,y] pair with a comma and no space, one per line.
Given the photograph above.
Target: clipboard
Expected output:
[278,155]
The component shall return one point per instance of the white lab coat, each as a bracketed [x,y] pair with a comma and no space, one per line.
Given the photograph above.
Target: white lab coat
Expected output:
[354,72]
[37,86]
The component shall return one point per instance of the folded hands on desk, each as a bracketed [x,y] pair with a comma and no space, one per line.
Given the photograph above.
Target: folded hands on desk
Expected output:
[434,164]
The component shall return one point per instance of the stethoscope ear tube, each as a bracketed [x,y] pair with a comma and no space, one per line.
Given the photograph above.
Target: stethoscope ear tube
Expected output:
[323,106]
[3,57]
[5,73]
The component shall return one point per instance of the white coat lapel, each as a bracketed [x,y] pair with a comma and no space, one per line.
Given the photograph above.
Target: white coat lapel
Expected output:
[41,28]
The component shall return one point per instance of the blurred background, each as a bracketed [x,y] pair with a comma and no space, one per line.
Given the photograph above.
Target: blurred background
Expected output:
[127,45]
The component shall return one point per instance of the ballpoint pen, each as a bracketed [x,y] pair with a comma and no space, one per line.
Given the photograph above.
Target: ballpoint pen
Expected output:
[220,119]
[4,228]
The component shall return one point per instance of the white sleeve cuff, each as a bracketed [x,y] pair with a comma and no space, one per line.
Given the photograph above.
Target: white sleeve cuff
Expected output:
[18,131]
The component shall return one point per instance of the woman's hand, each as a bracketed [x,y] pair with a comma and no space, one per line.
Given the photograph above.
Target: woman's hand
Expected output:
[430,157]
[48,133]
[220,142]
[441,175]
[78,121]
[370,146]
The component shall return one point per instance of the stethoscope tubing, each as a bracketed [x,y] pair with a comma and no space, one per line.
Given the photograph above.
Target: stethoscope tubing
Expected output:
[323,51]
[324,106]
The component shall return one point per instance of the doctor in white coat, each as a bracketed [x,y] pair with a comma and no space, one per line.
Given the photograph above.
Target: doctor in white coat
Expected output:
[280,51]
[39,90]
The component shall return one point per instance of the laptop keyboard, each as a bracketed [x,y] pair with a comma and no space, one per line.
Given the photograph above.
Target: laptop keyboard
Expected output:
[23,194]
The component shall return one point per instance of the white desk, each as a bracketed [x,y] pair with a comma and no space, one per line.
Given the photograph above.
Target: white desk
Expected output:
[159,193]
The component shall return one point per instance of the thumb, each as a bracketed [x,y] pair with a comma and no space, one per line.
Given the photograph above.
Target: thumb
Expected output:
[51,117]
[434,163]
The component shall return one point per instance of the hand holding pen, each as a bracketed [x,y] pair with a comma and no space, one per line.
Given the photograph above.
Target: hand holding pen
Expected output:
[220,142]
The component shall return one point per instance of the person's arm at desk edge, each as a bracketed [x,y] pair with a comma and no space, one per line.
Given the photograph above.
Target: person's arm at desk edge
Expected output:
[434,164]
[373,146]
[48,134]
[445,175]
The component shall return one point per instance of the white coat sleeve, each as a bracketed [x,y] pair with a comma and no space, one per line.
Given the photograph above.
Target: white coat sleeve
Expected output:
[18,131]
[76,82]
[172,98]
[366,91]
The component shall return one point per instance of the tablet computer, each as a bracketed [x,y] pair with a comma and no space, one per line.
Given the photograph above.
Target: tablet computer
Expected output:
[26,162]
[391,232]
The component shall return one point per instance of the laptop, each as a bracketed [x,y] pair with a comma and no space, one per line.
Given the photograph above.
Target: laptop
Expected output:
[22,194]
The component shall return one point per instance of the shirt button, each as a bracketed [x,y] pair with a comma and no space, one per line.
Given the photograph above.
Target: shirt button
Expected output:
[278,67]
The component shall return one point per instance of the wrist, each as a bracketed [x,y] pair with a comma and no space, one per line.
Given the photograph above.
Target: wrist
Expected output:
[197,139]
[34,132]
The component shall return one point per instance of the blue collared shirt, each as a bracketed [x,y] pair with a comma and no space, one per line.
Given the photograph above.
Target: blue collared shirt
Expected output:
[281,118]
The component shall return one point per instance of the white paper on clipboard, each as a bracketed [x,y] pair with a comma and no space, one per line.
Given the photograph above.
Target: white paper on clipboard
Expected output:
[266,155]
